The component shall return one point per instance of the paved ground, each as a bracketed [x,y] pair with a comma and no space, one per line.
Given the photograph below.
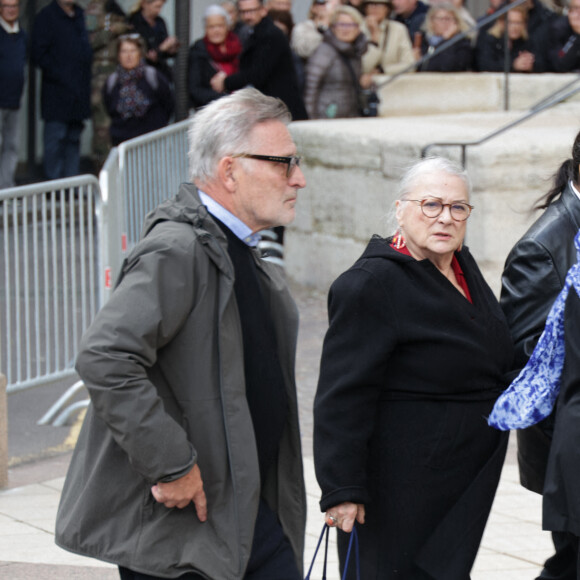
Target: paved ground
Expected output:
[513,547]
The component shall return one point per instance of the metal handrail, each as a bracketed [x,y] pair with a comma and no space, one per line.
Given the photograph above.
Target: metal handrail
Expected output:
[544,104]
[450,42]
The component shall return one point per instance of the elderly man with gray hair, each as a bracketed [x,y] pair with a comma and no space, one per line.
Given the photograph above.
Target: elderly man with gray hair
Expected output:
[189,463]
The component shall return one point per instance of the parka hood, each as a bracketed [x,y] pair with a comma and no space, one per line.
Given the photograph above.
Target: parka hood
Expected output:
[186,207]
[379,247]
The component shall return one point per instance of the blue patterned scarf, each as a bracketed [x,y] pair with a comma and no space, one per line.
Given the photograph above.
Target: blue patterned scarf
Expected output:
[531,396]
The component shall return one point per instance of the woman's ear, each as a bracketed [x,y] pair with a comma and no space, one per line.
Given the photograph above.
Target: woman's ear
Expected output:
[399,212]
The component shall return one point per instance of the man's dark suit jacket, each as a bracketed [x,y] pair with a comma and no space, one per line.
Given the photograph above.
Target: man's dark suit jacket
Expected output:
[266,64]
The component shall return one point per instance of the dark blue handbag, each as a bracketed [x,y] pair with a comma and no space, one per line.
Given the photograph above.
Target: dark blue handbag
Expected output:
[353,541]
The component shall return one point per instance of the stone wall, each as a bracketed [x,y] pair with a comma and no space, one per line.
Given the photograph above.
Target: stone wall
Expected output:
[437,93]
[353,166]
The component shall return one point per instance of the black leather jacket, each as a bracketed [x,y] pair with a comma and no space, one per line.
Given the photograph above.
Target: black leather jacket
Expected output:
[533,276]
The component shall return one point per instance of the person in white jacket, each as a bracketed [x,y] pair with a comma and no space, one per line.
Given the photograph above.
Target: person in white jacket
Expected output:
[389,50]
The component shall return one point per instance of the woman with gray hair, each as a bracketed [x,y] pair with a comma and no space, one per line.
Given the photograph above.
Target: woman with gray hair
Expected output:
[413,361]
[219,50]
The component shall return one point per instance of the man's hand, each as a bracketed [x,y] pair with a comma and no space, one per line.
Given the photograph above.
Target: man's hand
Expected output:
[343,515]
[181,492]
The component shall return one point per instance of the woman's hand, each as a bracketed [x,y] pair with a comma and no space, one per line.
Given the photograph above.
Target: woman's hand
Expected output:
[524,62]
[217,82]
[343,516]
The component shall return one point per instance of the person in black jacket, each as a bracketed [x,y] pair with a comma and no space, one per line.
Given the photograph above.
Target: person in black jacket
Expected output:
[561,501]
[412,14]
[525,55]
[60,47]
[443,22]
[147,22]
[137,96]
[533,277]
[564,41]
[266,62]
[415,356]
[219,50]
[12,64]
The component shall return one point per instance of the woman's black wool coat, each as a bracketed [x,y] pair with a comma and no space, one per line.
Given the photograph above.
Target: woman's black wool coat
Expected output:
[410,370]
[561,504]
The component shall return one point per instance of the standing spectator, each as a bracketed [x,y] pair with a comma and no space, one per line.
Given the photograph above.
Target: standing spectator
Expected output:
[540,18]
[389,50]
[266,61]
[137,96]
[307,35]
[193,424]
[284,21]
[443,22]
[539,21]
[160,46]
[219,50]
[106,21]
[464,14]
[564,40]
[333,71]
[494,6]
[523,54]
[12,64]
[412,14]
[533,276]
[61,49]
[236,25]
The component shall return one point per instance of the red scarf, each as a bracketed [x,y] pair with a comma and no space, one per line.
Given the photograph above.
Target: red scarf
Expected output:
[228,61]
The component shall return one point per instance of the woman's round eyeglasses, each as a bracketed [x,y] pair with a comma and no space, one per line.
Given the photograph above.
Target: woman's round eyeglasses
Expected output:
[433,208]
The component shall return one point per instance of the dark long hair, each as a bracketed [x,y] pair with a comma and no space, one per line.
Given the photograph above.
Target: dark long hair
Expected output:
[567,171]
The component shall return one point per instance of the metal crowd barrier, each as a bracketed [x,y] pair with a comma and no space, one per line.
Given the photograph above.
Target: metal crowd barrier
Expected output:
[137,176]
[52,282]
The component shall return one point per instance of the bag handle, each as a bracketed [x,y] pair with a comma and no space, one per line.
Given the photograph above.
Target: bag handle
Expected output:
[353,539]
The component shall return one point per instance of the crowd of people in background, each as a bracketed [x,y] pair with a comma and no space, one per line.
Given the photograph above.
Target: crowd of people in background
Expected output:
[324,67]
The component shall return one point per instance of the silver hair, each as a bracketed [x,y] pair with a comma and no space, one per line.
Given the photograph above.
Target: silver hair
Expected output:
[428,166]
[223,127]
[215,10]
